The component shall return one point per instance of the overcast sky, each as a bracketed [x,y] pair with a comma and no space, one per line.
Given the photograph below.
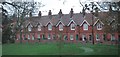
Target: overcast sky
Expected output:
[65,5]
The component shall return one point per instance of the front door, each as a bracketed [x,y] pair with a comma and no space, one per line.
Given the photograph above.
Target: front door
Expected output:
[77,37]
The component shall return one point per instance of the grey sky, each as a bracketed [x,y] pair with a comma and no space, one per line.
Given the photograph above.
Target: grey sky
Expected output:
[56,5]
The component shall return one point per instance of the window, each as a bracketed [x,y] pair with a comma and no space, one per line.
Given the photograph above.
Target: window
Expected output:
[32,37]
[71,37]
[83,37]
[65,37]
[49,36]
[29,28]
[72,26]
[112,37]
[28,37]
[85,27]
[38,36]
[99,26]
[39,28]
[49,27]
[60,27]
[97,37]
[104,37]
[43,37]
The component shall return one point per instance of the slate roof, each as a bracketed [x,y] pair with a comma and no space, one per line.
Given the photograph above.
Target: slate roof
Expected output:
[77,17]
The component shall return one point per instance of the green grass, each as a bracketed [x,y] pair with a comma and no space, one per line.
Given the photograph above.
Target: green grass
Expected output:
[0,50]
[56,49]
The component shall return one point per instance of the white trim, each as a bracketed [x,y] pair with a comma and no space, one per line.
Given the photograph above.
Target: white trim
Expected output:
[111,21]
[59,23]
[28,24]
[71,26]
[39,28]
[38,23]
[50,28]
[48,23]
[83,22]
[60,29]
[98,27]
[84,27]
[97,21]
[70,22]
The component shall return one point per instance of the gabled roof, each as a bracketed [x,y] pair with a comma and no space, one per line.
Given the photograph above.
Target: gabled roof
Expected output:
[111,22]
[71,22]
[77,18]
[48,23]
[38,24]
[59,23]
[29,24]
[97,22]
[83,23]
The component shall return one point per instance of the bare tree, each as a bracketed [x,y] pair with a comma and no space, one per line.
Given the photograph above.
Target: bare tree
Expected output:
[21,9]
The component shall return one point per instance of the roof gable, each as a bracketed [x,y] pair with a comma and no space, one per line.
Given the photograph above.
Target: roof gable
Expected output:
[83,22]
[59,23]
[48,23]
[97,22]
[71,22]
[111,22]
[38,24]
[29,24]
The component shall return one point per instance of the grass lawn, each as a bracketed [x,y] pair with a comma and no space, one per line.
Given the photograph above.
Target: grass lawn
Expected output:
[56,49]
[0,50]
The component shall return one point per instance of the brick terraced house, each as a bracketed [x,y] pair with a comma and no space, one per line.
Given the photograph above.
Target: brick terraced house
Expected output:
[70,27]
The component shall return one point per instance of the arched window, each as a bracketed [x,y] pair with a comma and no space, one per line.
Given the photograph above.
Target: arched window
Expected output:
[29,28]
[99,26]
[39,28]
[60,27]
[85,27]
[49,27]
[72,26]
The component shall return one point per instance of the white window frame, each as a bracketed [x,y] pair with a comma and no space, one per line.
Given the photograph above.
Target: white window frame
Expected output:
[99,26]
[38,36]
[39,28]
[28,37]
[71,26]
[112,37]
[60,27]
[49,28]
[33,37]
[71,37]
[84,26]
[97,37]
[29,28]
[49,36]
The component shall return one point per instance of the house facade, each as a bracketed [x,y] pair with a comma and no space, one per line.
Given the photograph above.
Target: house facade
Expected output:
[71,27]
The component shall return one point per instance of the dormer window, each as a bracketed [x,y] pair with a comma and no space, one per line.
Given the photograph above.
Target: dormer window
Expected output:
[72,26]
[99,26]
[60,27]
[49,27]
[29,28]
[85,26]
[39,28]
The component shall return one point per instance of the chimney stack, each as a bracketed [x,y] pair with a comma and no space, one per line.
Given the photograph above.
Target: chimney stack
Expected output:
[40,14]
[60,13]
[50,14]
[71,13]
